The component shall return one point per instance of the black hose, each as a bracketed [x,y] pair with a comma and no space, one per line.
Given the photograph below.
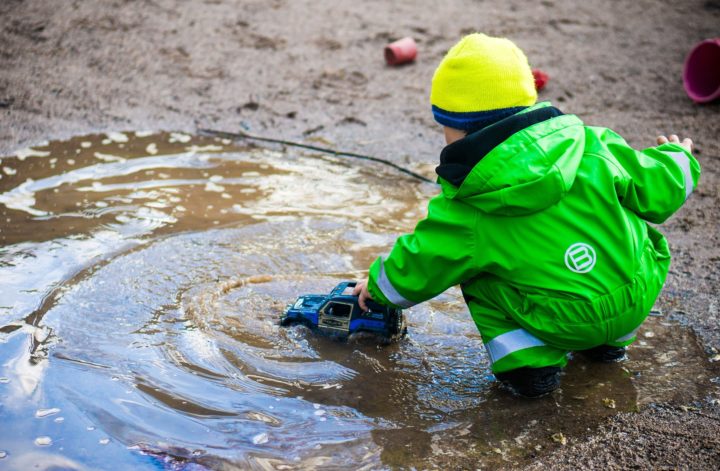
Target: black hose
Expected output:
[244,135]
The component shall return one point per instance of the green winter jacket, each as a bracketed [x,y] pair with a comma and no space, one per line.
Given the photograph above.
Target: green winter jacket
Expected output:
[544,219]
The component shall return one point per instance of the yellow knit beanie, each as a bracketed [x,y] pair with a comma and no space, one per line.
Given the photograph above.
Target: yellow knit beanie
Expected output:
[479,77]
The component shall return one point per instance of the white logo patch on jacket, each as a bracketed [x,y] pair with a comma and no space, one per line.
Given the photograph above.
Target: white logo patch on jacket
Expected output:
[580,257]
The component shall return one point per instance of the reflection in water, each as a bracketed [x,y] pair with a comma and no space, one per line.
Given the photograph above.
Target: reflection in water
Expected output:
[142,280]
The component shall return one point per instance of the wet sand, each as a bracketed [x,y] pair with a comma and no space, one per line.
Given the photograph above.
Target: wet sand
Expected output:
[314,71]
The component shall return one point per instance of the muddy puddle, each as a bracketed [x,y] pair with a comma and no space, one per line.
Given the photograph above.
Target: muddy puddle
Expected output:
[141,279]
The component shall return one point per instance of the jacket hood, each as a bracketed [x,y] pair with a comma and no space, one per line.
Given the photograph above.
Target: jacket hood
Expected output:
[519,165]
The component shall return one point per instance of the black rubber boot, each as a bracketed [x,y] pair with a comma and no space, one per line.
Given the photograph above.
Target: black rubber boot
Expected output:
[531,382]
[604,354]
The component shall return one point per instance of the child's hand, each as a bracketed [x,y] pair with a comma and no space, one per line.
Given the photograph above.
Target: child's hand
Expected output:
[686,143]
[362,293]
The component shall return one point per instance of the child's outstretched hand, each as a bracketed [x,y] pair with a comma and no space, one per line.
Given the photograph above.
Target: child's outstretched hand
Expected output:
[362,293]
[686,143]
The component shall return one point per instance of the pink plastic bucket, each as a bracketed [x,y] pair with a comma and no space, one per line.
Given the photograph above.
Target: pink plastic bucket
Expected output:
[701,74]
[401,51]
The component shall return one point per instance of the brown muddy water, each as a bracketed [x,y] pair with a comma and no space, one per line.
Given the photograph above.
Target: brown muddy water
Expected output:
[141,280]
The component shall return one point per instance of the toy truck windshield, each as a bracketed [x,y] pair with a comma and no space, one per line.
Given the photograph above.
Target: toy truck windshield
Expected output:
[308,302]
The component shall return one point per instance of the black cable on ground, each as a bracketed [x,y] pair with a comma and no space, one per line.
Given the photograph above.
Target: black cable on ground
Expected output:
[243,135]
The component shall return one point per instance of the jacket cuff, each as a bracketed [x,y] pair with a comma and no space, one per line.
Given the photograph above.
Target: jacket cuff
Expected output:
[684,159]
[372,286]
[381,288]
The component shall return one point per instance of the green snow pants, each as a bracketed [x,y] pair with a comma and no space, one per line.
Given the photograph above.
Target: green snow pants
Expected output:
[537,330]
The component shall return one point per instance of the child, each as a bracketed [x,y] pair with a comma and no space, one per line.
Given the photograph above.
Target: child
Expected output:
[541,220]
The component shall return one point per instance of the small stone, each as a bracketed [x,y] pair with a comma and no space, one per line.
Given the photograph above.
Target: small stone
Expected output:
[104,441]
[3,454]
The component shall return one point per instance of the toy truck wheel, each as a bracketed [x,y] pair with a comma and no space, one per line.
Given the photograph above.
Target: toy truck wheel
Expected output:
[397,325]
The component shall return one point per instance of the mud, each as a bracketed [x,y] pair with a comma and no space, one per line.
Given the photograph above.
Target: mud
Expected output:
[314,71]
[144,276]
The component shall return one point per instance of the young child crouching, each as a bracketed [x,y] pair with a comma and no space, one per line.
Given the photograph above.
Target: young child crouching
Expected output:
[541,220]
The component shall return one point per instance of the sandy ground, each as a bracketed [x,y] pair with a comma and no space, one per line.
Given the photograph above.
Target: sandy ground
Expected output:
[314,71]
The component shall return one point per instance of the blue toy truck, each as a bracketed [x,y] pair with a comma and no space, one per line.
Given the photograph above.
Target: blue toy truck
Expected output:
[339,314]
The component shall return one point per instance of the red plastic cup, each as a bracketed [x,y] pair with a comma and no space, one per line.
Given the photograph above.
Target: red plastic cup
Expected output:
[401,51]
[701,73]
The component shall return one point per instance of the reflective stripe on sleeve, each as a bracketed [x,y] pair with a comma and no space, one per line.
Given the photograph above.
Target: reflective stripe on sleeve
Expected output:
[389,290]
[684,163]
[511,342]
[627,337]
